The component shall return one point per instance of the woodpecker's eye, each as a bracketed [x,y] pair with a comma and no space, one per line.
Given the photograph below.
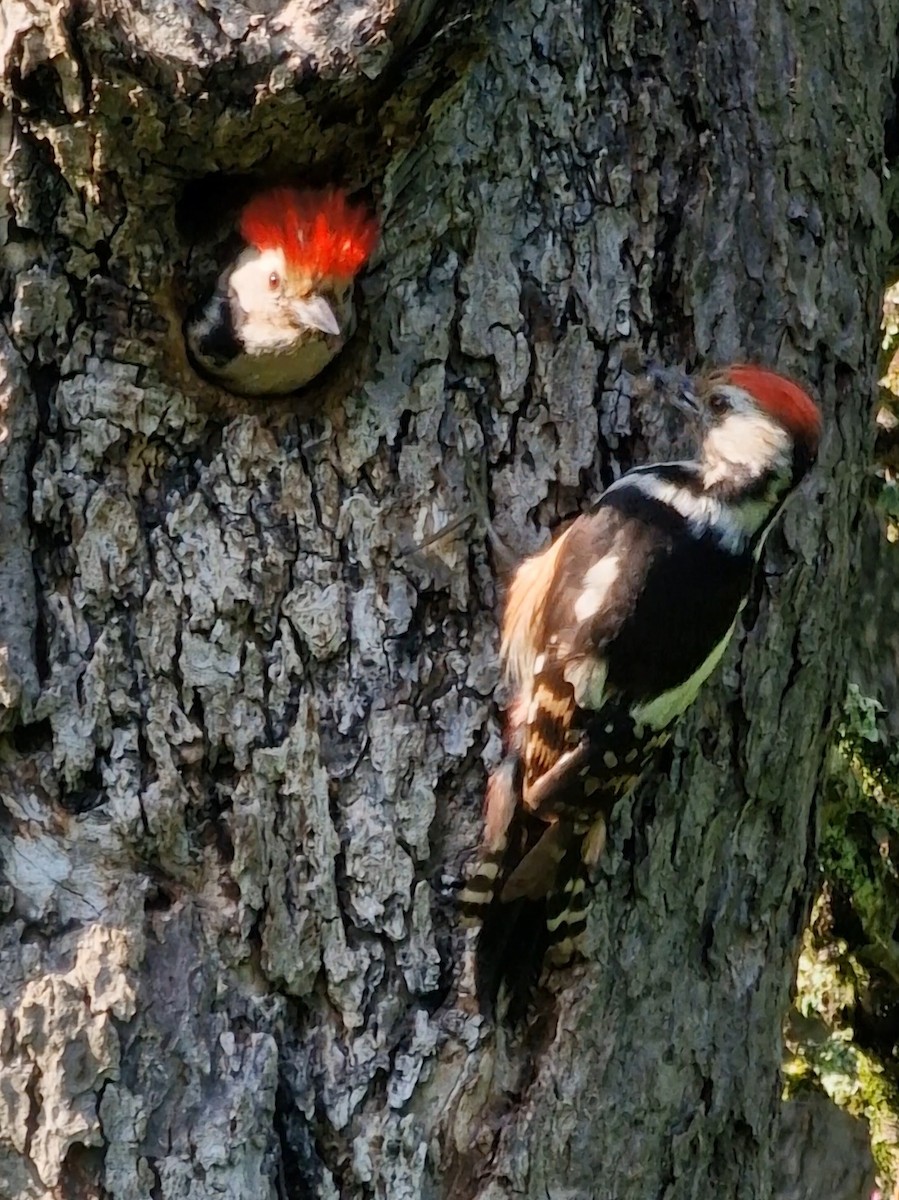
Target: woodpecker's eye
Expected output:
[718,403]
[274,281]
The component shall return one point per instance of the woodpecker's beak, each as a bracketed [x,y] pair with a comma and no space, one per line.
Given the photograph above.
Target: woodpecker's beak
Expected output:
[315,313]
[684,399]
[674,387]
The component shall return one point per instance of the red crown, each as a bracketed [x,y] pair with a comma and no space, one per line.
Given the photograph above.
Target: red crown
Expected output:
[782,398]
[320,233]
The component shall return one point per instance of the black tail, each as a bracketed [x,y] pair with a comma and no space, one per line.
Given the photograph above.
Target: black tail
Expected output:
[530,888]
[512,945]
[531,897]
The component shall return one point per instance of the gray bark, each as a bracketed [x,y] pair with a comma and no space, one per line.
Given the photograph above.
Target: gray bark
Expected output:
[822,1151]
[249,697]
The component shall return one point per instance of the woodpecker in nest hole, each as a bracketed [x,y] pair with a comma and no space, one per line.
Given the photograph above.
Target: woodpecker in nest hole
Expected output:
[284,308]
[607,637]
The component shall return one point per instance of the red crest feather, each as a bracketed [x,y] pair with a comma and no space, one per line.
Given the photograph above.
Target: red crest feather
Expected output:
[320,233]
[782,398]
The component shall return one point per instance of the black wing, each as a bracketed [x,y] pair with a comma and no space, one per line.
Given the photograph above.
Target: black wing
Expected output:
[638,603]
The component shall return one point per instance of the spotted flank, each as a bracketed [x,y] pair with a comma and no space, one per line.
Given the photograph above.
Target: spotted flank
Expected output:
[603,760]
[608,636]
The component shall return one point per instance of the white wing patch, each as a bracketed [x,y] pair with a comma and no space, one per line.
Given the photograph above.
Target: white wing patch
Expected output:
[588,678]
[596,583]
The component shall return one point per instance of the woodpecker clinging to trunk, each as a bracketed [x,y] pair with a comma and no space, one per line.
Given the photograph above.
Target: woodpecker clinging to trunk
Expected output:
[284,308]
[607,637]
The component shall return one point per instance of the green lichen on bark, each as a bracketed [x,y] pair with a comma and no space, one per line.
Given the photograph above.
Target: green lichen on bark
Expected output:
[257,733]
[843,1032]
[844,1027]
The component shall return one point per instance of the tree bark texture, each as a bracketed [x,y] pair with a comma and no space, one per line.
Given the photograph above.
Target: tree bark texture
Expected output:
[248,692]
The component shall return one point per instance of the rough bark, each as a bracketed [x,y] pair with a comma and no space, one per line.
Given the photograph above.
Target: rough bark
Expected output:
[249,696]
[823,1152]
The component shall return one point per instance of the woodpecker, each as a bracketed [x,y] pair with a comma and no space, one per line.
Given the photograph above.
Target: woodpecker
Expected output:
[607,637]
[284,308]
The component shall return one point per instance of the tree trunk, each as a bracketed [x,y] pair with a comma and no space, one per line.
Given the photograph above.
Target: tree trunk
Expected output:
[249,695]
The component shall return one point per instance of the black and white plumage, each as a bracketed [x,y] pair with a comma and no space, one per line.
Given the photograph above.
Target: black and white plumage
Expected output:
[282,311]
[608,635]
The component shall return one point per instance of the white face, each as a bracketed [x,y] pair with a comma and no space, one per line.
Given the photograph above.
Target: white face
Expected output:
[740,434]
[266,331]
[257,282]
[278,307]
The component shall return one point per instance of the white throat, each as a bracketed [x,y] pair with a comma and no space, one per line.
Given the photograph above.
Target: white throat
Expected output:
[746,442]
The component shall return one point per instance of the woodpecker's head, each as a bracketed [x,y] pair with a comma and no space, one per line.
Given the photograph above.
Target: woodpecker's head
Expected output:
[755,425]
[283,309]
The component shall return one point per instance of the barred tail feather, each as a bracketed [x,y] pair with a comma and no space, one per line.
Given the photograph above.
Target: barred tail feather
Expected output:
[566,917]
[532,897]
[478,893]
[507,894]
[503,790]
[537,900]
[566,911]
